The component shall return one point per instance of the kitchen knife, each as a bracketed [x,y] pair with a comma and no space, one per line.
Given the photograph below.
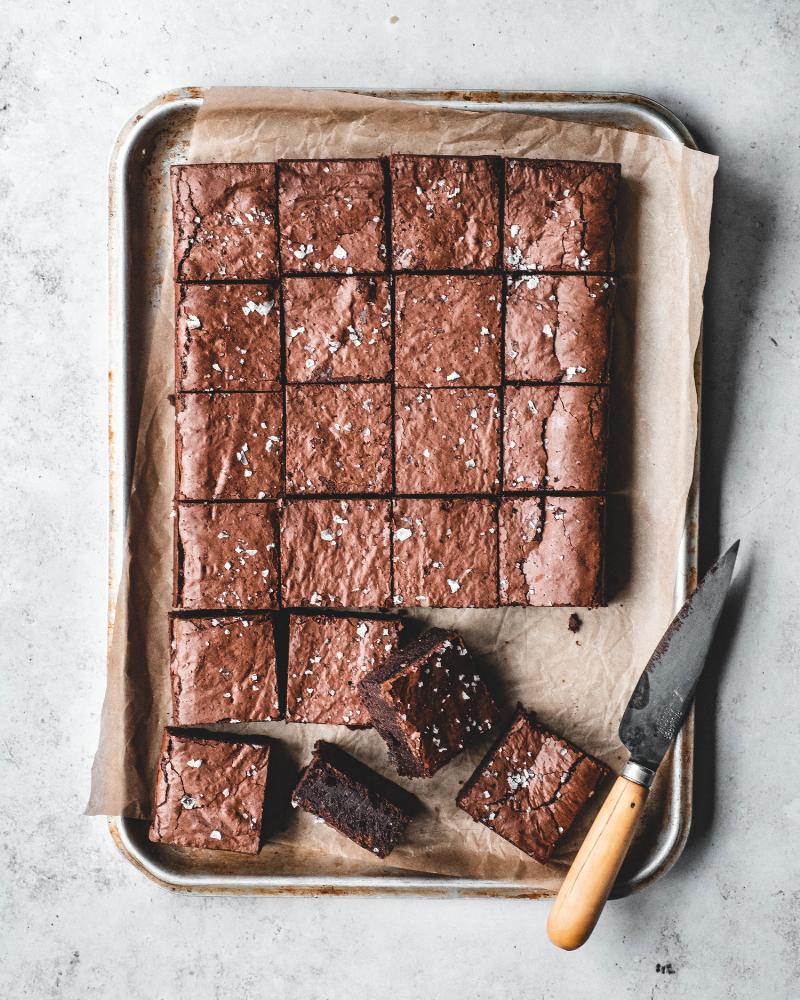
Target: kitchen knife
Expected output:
[651,721]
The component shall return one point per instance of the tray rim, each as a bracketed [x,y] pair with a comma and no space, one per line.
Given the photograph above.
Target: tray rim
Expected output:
[654,119]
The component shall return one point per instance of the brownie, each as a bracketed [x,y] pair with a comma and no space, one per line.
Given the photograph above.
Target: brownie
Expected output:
[447,330]
[558,328]
[338,438]
[447,440]
[223,670]
[210,791]
[224,218]
[335,553]
[337,329]
[551,551]
[361,804]
[225,556]
[332,216]
[328,655]
[445,553]
[554,438]
[229,446]
[228,337]
[445,213]
[428,703]
[531,786]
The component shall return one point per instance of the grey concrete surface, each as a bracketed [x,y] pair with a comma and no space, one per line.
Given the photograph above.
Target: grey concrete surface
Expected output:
[77,922]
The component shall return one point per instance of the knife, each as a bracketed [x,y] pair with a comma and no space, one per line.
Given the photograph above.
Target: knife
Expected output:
[650,723]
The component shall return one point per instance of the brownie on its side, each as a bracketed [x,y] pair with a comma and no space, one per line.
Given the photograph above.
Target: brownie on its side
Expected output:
[227,338]
[337,329]
[210,791]
[223,670]
[551,551]
[558,328]
[531,786]
[560,215]
[361,804]
[224,218]
[428,702]
[328,656]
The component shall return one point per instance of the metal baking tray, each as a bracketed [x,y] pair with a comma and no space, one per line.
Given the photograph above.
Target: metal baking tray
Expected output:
[156,136]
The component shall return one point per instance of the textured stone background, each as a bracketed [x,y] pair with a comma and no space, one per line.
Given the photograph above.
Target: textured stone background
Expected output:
[79,922]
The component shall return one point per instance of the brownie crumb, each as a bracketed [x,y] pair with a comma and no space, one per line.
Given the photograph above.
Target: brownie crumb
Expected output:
[575,622]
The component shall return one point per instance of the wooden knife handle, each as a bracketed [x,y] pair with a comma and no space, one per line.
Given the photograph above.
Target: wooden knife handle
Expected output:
[589,881]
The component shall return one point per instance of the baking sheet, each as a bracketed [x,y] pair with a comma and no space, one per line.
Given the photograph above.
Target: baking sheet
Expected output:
[578,689]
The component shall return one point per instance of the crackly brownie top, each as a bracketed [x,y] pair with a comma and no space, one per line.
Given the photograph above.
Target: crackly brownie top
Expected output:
[447,330]
[224,217]
[558,328]
[555,437]
[223,669]
[445,213]
[337,329]
[210,793]
[227,338]
[332,216]
[560,215]
[530,787]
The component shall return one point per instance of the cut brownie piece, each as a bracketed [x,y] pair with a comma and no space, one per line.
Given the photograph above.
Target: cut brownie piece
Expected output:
[229,446]
[554,438]
[367,808]
[228,337]
[551,551]
[445,553]
[210,791]
[335,553]
[558,328]
[445,213]
[332,215]
[531,786]
[337,329]
[223,670]
[338,438]
[225,556]
[224,217]
[447,440]
[560,215]
[428,702]
[328,656]
[447,330]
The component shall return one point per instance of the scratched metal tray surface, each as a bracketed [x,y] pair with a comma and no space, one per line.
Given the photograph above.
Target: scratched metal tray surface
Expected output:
[156,136]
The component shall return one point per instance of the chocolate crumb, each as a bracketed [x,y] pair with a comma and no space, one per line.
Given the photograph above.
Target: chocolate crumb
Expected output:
[574,623]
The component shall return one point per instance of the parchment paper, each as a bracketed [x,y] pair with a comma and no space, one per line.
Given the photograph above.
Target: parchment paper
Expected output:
[578,684]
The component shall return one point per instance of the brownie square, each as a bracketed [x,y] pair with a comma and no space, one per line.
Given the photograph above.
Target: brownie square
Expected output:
[229,446]
[335,553]
[551,551]
[531,786]
[554,437]
[445,213]
[447,330]
[558,328]
[210,792]
[428,702]
[332,216]
[337,329]
[560,215]
[328,656]
[445,553]
[447,440]
[224,219]
[223,670]
[338,438]
[228,337]
[225,556]
[361,804]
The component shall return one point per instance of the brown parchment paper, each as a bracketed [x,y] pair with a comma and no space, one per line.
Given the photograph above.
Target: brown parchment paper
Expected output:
[578,684]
